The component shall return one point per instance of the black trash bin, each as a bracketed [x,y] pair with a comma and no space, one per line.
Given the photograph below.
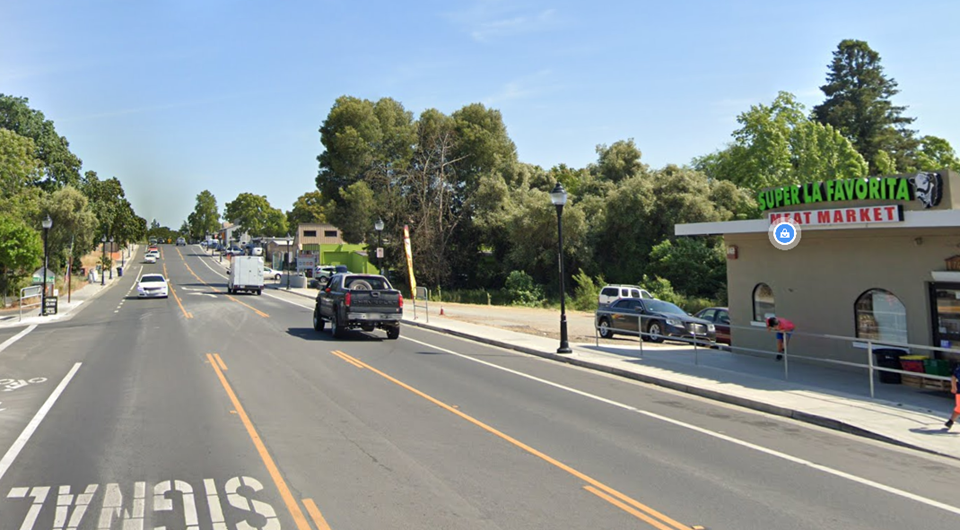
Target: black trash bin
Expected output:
[120,272]
[889,358]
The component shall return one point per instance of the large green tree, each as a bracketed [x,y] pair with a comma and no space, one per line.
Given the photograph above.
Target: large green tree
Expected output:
[60,166]
[115,215]
[21,252]
[858,104]
[19,166]
[75,225]
[936,153]
[777,145]
[255,215]
[205,218]
[308,208]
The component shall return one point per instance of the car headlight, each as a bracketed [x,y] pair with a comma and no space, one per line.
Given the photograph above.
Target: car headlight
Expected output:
[140,288]
[674,322]
[711,327]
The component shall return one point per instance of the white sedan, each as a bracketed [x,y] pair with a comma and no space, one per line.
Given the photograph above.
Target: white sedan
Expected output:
[152,286]
[149,258]
[271,274]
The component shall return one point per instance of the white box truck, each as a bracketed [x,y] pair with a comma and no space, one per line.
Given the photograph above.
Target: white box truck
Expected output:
[246,274]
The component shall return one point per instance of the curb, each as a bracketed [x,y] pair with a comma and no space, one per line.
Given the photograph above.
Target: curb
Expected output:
[820,421]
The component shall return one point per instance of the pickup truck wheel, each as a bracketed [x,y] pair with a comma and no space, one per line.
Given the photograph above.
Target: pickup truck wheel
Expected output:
[655,332]
[335,325]
[604,329]
[317,321]
[393,333]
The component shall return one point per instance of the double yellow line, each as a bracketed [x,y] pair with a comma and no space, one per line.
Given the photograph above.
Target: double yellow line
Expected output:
[601,490]
[186,313]
[288,499]
[244,304]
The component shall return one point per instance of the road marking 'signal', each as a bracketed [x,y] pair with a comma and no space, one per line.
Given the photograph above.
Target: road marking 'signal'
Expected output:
[639,510]
[168,496]
[31,427]
[714,434]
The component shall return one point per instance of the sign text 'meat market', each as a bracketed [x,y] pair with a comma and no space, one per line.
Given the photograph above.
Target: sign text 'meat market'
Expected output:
[842,216]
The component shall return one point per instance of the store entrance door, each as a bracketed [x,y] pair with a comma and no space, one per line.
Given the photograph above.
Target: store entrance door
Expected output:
[945,313]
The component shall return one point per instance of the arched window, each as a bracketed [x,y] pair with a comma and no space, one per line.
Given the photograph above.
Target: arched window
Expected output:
[763,304]
[881,316]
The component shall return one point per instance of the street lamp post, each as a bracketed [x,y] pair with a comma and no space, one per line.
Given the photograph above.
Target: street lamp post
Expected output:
[111,257]
[286,262]
[559,197]
[379,226]
[103,261]
[47,225]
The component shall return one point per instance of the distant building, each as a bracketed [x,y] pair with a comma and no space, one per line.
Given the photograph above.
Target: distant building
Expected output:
[323,244]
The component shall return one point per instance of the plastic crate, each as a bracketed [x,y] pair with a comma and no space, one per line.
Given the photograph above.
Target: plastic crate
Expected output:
[912,380]
[937,367]
[936,384]
[910,365]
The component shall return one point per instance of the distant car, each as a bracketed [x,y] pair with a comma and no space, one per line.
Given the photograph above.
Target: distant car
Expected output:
[154,253]
[269,273]
[720,316]
[149,258]
[324,271]
[611,293]
[659,320]
[152,286]
[181,242]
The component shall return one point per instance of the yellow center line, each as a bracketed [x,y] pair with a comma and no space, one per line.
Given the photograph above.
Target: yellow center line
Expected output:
[255,310]
[347,358]
[186,314]
[295,511]
[315,514]
[586,478]
[223,366]
[629,509]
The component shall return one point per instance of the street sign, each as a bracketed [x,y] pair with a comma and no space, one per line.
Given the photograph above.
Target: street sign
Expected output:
[50,305]
[380,252]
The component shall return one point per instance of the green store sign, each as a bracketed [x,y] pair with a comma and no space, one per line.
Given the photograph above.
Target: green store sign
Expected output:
[925,187]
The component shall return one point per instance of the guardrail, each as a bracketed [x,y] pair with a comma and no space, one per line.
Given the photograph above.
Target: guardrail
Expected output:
[422,293]
[34,291]
[869,345]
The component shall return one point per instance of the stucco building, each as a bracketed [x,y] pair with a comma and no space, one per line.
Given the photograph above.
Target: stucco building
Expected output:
[878,259]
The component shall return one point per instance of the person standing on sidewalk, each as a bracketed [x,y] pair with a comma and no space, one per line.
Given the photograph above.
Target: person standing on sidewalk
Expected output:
[953,388]
[784,329]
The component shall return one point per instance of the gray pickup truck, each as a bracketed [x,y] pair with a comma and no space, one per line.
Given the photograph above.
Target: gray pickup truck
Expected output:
[364,301]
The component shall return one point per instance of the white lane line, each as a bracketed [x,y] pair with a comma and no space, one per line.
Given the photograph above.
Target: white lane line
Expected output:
[211,268]
[714,434]
[6,344]
[291,302]
[31,427]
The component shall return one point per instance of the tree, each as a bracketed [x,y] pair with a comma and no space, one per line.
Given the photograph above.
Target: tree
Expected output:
[205,218]
[858,105]
[694,267]
[619,161]
[355,213]
[936,153]
[19,166]
[777,145]
[60,166]
[74,225]
[115,215]
[255,215]
[307,209]
[21,251]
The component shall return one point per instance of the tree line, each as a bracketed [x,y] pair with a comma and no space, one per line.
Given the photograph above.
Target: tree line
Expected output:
[481,220]
[39,178]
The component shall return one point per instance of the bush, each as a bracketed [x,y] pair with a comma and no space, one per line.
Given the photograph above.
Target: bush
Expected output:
[521,290]
[586,291]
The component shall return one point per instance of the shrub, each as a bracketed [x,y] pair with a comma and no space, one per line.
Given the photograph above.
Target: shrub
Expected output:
[586,291]
[521,290]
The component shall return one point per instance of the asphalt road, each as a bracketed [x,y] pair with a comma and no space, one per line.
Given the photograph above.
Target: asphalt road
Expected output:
[209,411]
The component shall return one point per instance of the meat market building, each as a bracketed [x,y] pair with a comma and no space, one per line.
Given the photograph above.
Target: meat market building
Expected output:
[878,258]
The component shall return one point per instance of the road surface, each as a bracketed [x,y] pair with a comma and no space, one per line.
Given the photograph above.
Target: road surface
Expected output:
[206,411]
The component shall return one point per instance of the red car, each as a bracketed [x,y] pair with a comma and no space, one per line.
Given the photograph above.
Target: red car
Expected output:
[720,316]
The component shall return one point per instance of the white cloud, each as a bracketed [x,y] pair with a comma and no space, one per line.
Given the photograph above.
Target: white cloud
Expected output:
[491,19]
[523,88]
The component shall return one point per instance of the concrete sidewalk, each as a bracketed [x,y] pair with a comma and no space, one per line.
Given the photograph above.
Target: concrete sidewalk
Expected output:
[829,397]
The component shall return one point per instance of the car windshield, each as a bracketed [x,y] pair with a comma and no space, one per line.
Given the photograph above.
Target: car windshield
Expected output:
[659,306]
[152,278]
[362,283]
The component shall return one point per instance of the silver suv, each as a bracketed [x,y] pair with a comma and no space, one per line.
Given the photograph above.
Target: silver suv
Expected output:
[612,293]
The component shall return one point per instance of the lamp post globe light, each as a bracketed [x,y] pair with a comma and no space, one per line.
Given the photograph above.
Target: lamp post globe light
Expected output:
[103,260]
[379,227]
[559,198]
[47,225]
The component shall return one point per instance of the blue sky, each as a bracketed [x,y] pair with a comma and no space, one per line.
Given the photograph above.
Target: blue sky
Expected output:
[176,96]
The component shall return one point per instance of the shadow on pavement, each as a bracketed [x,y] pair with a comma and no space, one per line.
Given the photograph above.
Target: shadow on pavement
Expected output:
[349,335]
[939,431]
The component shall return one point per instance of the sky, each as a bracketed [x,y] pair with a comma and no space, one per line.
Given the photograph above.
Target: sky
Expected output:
[176,96]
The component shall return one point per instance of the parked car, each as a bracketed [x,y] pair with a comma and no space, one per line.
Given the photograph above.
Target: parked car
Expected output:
[365,301]
[152,286]
[659,320]
[324,271]
[611,293]
[720,316]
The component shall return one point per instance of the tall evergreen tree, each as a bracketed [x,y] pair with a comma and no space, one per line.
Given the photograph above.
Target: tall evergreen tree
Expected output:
[858,105]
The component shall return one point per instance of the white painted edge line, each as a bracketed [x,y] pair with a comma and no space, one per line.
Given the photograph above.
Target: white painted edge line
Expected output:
[7,343]
[714,434]
[224,276]
[31,427]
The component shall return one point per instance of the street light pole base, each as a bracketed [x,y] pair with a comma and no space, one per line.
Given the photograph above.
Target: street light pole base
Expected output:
[564,350]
